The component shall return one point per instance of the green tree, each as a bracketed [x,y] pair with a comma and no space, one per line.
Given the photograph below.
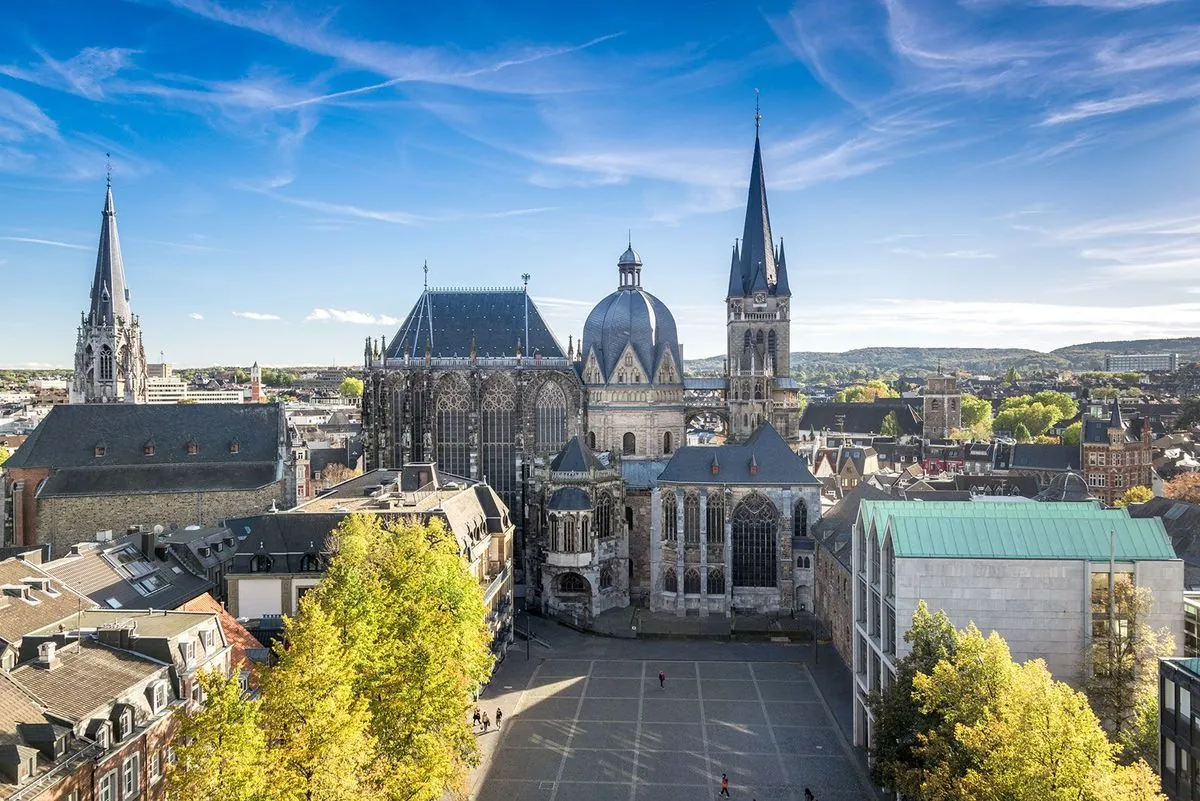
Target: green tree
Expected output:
[316,721]
[1011,376]
[1035,416]
[241,376]
[975,412]
[413,621]
[1134,495]
[1123,666]
[1189,413]
[899,720]
[1072,434]
[220,748]
[1021,433]
[1105,393]
[352,387]
[1066,405]
[865,392]
[890,426]
[4,454]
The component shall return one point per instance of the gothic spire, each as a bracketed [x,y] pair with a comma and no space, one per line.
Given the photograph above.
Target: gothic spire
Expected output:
[1116,420]
[758,269]
[110,296]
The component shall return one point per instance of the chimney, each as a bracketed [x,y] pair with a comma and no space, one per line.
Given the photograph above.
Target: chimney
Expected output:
[149,542]
[47,657]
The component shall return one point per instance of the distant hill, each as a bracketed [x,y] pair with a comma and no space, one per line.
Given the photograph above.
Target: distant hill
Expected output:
[916,361]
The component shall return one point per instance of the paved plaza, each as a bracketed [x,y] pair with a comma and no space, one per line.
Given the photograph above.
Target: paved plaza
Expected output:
[585,729]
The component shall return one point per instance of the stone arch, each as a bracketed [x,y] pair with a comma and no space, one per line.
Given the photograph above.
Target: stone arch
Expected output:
[629,444]
[666,442]
[573,584]
[800,519]
[591,440]
[452,411]
[550,418]
[691,518]
[755,537]
[670,580]
[606,577]
[691,581]
[716,581]
[106,363]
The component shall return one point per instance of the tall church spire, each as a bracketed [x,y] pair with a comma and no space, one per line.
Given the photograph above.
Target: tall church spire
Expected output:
[110,296]
[758,270]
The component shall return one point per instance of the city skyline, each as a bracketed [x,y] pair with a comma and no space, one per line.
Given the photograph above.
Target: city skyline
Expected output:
[981,173]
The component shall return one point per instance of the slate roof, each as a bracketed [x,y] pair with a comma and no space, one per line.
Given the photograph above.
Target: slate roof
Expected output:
[1035,456]
[569,499]
[631,316]
[17,709]
[150,479]
[18,617]
[757,266]
[858,418]
[104,571]
[705,383]
[642,474]
[575,457]
[447,319]
[69,435]
[285,536]
[89,677]
[775,462]
[110,295]
[1024,486]
[1182,522]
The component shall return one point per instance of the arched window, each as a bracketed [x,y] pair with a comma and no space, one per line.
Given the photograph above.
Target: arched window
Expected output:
[666,442]
[606,577]
[450,420]
[310,563]
[747,343]
[670,519]
[715,512]
[570,543]
[261,563]
[572,584]
[691,582]
[585,535]
[551,418]
[106,363]
[691,518]
[604,513]
[670,580]
[716,581]
[591,440]
[771,344]
[629,444]
[755,528]
[555,537]
[498,439]
[759,341]
[745,419]
[800,519]
[758,393]
[803,562]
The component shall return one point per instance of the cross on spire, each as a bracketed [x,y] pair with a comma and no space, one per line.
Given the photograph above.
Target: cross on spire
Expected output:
[426,268]
[108,169]
[757,116]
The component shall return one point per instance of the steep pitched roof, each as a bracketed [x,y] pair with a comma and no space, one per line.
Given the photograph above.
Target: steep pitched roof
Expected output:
[1038,456]
[448,321]
[240,640]
[764,458]
[20,617]
[755,267]
[110,296]
[575,457]
[89,677]
[1182,522]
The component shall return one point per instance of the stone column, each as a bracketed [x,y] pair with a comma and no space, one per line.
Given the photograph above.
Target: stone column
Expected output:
[656,567]
[680,605]
[728,556]
[703,554]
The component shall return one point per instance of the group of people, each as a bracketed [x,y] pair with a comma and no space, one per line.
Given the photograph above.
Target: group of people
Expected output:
[481,718]
[808,794]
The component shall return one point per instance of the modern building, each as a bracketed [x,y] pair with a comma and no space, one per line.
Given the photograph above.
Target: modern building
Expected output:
[1141,362]
[110,362]
[1029,571]
[175,390]
[1179,726]
[92,468]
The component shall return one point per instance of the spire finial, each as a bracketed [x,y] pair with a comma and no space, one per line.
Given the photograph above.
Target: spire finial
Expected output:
[108,170]
[525,281]
[757,116]
[629,236]
[426,268]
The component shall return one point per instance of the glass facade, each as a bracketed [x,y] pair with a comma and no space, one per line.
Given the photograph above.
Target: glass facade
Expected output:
[1179,723]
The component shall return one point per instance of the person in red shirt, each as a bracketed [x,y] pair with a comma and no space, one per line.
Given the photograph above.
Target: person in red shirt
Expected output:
[724,786]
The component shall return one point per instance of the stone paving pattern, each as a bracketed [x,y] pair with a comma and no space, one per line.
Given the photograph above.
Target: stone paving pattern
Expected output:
[600,727]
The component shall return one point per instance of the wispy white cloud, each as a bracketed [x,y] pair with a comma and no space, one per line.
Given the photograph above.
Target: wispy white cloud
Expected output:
[1109,5]
[28,240]
[20,117]
[1113,105]
[257,316]
[349,316]
[350,210]
[952,254]
[196,316]
[84,74]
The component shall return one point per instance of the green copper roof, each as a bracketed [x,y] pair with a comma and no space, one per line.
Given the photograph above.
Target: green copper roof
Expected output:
[877,512]
[1030,538]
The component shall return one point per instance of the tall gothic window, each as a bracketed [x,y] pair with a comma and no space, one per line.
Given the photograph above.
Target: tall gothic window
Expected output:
[604,513]
[771,345]
[715,513]
[670,580]
[629,444]
[760,342]
[670,519]
[606,577]
[453,442]
[691,518]
[106,363]
[551,418]
[498,439]
[555,537]
[716,581]
[800,519]
[572,544]
[691,581]
[666,442]
[418,415]
[755,526]
[572,584]
[591,440]
[747,345]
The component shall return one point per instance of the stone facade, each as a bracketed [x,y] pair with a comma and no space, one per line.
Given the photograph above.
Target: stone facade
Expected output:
[941,406]
[833,604]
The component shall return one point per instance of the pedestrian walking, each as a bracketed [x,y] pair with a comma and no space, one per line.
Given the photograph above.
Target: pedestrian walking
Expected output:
[486,723]
[662,680]
[499,715]
[724,786]
[477,717]
[808,795]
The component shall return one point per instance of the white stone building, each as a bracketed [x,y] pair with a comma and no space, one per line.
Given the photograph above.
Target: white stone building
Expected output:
[1030,571]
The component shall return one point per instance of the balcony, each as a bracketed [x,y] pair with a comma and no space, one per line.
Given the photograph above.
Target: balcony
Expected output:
[495,586]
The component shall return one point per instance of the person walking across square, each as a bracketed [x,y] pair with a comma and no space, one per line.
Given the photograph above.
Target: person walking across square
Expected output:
[662,680]
[477,717]
[724,786]
[499,716]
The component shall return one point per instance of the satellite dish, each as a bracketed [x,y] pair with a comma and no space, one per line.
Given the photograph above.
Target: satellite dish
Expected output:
[158,529]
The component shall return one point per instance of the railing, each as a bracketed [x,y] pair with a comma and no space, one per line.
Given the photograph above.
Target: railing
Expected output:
[495,585]
[465,362]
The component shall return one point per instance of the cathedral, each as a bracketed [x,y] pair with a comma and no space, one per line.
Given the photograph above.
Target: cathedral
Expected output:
[110,363]
[587,445]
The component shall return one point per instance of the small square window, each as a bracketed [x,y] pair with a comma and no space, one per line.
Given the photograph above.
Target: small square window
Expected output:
[192,448]
[234,447]
[100,451]
[148,449]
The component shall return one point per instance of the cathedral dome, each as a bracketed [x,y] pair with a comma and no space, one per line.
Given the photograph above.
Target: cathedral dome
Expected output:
[631,318]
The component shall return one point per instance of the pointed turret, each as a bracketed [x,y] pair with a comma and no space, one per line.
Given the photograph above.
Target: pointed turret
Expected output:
[758,268]
[1115,420]
[110,297]
[735,273]
[781,279]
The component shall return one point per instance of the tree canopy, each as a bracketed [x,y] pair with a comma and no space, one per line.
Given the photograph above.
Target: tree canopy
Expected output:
[352,387]
[865,392]
[1184,487]
[4,454]
[890,426]
[1134,495]
[1036,412]
[1072,434]
[975,411]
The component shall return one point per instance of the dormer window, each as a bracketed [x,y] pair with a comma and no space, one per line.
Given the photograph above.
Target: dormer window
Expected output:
[104,736]
[100,450]
[261,563]
[160,696]
[192,447]
[126,724]
[148,449]
[234,446]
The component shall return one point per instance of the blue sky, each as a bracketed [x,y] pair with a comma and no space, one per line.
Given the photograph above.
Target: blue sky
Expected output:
[970,173]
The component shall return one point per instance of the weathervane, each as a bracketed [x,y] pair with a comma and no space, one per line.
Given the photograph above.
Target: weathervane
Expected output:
[525,280]
[629,234]
[108,169]
[426,274]
[757,116]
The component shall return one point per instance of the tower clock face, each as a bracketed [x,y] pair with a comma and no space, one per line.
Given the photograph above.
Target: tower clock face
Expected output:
[760,297]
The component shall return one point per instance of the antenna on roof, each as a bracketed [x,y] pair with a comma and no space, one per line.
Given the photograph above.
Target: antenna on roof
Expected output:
[629,236]
[426,268]
[108,170]
[757,116]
